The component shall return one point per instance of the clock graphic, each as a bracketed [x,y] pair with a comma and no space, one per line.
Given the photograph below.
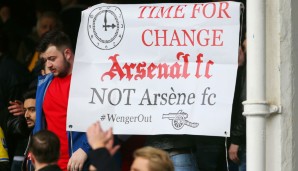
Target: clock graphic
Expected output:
[106,27]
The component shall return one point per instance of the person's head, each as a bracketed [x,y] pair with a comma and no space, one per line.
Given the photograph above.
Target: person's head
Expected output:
[29,107]
[4,13]
[46,22]
[151,159]
[56,51]
[44,147]
[65,3]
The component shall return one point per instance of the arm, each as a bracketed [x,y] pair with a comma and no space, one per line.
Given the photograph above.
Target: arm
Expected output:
[77,160]
[238,124]
[97,138]
[79,148]
[101,159]
[102,144]
[233,153]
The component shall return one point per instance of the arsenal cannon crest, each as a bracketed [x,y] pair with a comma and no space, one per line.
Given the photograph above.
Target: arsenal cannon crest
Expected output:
[179,120]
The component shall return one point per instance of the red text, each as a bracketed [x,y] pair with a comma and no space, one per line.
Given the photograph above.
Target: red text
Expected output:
[203,37]
[143,70]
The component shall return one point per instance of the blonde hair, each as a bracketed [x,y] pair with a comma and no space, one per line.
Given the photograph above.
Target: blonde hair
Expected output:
[159,160]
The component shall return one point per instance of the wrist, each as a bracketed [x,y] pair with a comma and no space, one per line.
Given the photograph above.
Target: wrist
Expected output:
[97,145]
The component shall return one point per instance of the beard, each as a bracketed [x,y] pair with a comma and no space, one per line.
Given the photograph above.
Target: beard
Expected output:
[32,123]
[66,68]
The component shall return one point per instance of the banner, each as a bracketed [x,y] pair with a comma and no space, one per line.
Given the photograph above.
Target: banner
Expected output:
[156,68]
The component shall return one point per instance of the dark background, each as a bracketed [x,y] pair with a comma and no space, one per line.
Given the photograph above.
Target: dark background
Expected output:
[24,11]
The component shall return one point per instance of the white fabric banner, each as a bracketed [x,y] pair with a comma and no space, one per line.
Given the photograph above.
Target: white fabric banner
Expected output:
[156,68]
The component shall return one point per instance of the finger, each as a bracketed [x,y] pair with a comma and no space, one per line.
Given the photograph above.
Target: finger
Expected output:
[109,144]
[13,103]
[11,110]
[73,166]
[15,110]
[12,107]
[98,126]
[18,114]
[18,102]
[114,149]
[234,158]
[69,165]
[80,167]
[89,131]
[232,155]
[236,161]
[92,128]
[109,139]
[108,135]
[15,106]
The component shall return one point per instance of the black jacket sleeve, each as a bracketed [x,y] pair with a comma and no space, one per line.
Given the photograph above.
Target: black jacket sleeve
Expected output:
[102,160]
[238,123]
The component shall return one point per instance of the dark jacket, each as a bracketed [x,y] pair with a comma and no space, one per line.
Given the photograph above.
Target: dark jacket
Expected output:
[14,80]
[167,142]
[238,122]
[102,160]
[52,167]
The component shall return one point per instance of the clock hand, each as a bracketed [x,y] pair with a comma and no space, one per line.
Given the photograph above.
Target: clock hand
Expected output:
[105,21]
[113,26]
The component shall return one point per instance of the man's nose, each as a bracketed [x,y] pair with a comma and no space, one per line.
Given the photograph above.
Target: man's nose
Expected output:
[27,114]
[49,64]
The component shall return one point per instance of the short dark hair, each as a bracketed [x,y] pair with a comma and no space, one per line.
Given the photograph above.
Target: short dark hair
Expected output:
[30,94]
[45,146]
[56,38]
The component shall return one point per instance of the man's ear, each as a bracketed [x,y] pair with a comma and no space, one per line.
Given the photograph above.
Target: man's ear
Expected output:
[68,54]
[33,160]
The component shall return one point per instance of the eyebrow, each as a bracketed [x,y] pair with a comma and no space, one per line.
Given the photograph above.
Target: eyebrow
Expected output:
[47,58]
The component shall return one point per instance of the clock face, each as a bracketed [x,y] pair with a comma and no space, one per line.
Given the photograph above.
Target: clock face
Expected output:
[106,27]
